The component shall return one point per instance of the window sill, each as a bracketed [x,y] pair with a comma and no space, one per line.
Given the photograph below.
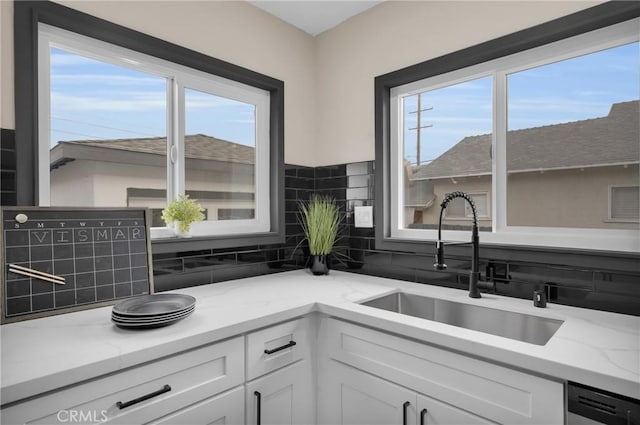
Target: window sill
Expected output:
[198,243]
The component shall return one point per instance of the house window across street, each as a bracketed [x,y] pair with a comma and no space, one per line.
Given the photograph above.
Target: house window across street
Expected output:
[625,203]
[458,208]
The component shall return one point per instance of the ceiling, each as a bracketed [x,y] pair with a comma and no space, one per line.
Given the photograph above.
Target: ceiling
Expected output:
[314,17]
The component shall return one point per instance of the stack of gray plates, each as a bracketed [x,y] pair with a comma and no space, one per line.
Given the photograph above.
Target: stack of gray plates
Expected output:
[152,311]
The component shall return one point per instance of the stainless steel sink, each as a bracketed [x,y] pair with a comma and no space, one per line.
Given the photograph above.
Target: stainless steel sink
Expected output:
[522,327]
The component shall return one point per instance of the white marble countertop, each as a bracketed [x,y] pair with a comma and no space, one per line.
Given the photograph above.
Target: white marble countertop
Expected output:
[594,348]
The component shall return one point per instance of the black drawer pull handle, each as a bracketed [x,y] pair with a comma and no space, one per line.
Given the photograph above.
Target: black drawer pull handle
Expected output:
[258,402]
[423,417]
[404,412]
[275,350]
[126,404]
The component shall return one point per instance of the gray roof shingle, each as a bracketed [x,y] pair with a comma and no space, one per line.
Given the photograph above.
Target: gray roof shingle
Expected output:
[614,139]
[197,146]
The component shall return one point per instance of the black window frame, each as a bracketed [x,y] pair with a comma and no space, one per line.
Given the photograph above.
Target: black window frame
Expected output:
[27,16]
[578,23]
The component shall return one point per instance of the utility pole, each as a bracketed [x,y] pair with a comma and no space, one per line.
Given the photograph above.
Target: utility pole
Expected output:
[419,126]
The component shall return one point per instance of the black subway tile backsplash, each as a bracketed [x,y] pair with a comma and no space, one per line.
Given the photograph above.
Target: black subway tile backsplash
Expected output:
[438,277]
[301,183]
[602,281]
[331,183]
[360,168]
[591,280]
[358,181]
[330,171]
[358,193]
[8,193]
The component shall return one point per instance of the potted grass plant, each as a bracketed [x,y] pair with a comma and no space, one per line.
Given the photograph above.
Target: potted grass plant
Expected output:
[182,211]
[320,220]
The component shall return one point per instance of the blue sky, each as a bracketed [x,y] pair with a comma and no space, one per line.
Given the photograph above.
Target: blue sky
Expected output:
[571,90]
[94,100]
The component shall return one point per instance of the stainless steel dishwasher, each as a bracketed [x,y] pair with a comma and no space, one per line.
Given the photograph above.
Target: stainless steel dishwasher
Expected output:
[589,406]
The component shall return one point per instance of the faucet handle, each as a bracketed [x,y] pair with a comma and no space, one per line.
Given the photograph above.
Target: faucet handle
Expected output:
[439,266]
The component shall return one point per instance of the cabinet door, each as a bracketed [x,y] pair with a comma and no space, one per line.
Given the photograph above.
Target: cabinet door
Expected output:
[432,412]
[226,408]
[282,397]
[486,389]
[356,398]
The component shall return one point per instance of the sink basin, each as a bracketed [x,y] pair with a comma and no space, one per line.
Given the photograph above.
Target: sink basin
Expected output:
[522,327]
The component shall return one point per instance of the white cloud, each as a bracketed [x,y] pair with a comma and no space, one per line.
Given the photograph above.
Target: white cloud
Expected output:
[100,80]
[63,59]
[559,104]
[129,101]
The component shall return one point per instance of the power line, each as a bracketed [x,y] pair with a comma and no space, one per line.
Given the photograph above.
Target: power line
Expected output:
[102,126]
[77,134]
[419,126]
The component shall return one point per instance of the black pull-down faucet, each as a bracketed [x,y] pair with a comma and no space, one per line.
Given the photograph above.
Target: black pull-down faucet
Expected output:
[474,276]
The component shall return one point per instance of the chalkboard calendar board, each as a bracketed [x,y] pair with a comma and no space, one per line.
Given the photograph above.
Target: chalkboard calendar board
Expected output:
[57,260]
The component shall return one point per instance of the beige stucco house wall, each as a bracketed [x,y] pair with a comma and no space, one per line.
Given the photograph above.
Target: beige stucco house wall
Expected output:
[577,198]
[135,179]
[567,198]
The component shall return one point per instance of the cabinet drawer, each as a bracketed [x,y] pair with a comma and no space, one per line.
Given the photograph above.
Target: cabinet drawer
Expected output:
[142,393]
[500,394]
[225,408]
[277,346]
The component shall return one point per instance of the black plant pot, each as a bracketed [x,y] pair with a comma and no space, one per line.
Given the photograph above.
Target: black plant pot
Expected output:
[319,265]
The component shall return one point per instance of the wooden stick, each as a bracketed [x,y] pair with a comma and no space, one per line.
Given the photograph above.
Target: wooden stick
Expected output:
[25,271]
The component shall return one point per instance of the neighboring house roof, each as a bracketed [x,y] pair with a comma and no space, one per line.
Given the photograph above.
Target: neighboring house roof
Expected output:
[614,139]
[197,146]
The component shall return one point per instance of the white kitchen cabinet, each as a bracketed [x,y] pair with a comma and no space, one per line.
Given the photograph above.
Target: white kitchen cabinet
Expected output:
[283,397]
[433,412]
[277,346]
[139,394]
[226,408]
[481,388]
[358,398]
[279,367]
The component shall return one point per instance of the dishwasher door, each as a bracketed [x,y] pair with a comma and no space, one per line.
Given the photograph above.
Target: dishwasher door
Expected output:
[590,406]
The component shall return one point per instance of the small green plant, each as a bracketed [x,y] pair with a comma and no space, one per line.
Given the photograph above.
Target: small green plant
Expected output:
[320,220]
[184,211]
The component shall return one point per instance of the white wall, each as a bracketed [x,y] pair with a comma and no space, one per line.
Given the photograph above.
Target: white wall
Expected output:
[329,79]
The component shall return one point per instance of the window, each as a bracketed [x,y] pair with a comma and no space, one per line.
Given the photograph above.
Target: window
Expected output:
[103,128]
[126,119]
[235,213]
[114,105]
[537,138]
[442,149]
[572,131]
[625,203]
[458,208]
